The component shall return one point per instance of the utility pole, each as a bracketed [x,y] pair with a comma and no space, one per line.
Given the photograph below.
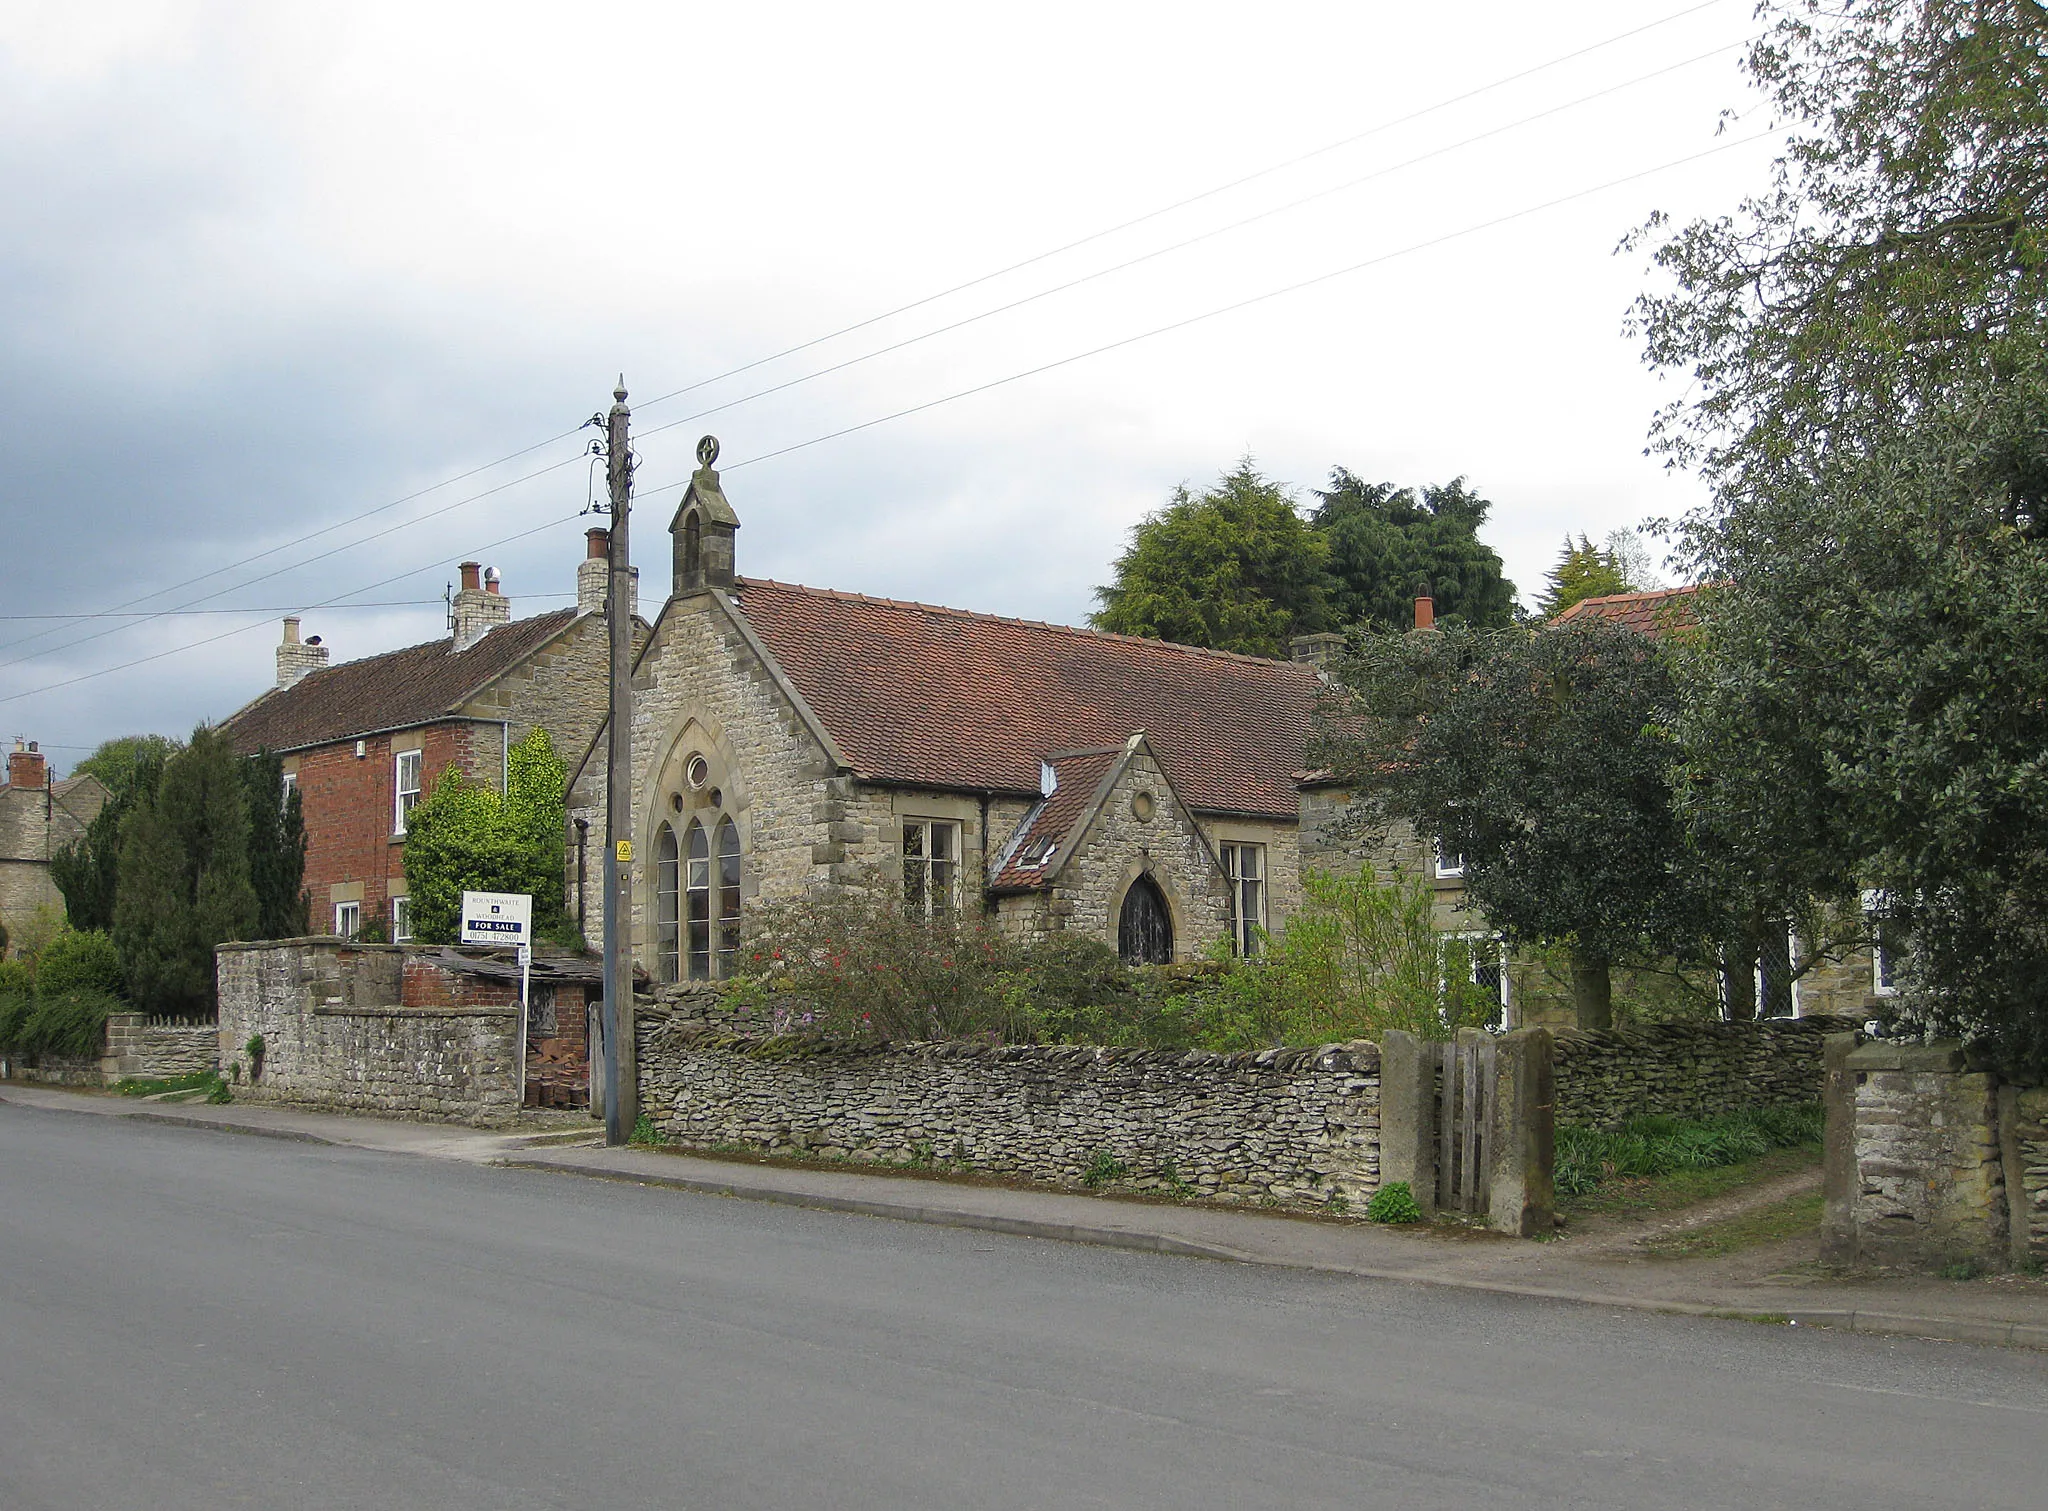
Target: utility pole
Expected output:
[621,1080]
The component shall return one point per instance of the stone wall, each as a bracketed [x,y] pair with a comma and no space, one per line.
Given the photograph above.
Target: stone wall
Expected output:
[143,1048]
[1689,1070]
[339,1032]
[1296,1128]
[57,1070]
[2023,1145]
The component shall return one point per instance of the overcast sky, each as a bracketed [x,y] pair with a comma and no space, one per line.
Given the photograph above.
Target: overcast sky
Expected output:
[267,267]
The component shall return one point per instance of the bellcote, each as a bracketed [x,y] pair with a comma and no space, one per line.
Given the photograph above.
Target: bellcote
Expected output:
[704,529]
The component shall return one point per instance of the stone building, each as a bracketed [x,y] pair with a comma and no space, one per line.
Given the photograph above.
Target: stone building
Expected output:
[38,817]
[362,741]
[787,739]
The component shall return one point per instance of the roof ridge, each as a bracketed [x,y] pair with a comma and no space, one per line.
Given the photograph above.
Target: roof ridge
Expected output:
[1690,587]
[1078,631]
[420,645]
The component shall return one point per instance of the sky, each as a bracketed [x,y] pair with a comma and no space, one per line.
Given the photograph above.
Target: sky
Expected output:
[302,305]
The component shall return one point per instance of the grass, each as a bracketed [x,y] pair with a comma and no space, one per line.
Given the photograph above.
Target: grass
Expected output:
[1794,1217]
[198,1080]
[1646,1195]
[1589,1158]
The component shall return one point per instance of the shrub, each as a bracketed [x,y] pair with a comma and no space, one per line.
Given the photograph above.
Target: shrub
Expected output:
[17,978]
[74,1023]
[79,960]
[15,1007]
[1393,1202]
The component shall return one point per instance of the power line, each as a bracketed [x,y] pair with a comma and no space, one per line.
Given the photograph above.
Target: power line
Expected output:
[285,608]
[243,629]
[1197,239]
[1069,246]
[1291,288]
[1192,199]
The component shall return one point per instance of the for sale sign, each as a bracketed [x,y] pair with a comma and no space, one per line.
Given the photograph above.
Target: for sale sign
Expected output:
[497,918]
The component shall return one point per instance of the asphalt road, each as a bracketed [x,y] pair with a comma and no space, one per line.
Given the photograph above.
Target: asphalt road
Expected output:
[198,1319]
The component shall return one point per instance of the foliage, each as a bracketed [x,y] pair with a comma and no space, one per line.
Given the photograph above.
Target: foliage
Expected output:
[15,1007]
[277,848]
[463,836]
[1236,568]
[1394,1202]
[1643,991]
[1544,760]
[645,1134]
[88,871]
[184,878]
[68,1023]
[1583,571]
[17,977]
[3,940]
[1645,1146]
[79,961]
[1385,542]
[152,1086]
[1103,1169]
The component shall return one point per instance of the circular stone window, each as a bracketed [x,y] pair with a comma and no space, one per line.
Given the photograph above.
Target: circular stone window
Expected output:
[1143,807]
[675,801]
[696,771]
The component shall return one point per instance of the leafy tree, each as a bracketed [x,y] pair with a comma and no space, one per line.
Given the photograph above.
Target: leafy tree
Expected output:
[1583,571]
[184,878]
[1236,568]
[120,763]
[79,962]
[277,848]
[1386,541]
[1543,760]
[1863,345]
[88,871]
[464,836]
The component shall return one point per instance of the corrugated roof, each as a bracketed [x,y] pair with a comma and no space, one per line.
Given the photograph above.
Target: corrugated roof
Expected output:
[1654,613]
[415,685]
[938,697]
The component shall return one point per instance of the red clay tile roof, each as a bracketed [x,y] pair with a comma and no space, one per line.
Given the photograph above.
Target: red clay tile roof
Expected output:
[399,688]
[936,697]
[1051,825]
[1647,613]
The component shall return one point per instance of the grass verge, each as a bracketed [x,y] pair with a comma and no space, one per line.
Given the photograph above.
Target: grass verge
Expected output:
[1795,1217]
[1647,1195]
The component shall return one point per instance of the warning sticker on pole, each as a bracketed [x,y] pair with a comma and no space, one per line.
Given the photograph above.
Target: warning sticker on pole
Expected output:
[497,918]
[625,852]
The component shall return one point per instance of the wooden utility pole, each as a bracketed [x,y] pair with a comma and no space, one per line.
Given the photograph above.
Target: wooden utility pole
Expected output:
[621,1079]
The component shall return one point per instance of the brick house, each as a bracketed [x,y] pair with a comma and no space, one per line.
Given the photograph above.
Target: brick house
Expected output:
[362,741]
[38,817]
[787,738]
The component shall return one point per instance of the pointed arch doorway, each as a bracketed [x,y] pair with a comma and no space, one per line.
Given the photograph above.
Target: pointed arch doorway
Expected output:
[1144,929]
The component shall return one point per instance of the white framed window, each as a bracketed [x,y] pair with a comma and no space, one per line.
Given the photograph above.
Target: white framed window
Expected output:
[407,784]
[1245,865]
[1483,961]
[291,785]
[401,919]
[348,919]
[931,866]
[1448,866]
[1877,908]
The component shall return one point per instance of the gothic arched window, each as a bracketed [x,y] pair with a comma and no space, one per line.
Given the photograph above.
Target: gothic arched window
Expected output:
[667,890]
[1144,930]
[697,893]
[728,896]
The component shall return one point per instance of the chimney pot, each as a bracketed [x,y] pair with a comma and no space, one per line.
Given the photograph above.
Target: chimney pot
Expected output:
[597,544]
[491,579]
[291,629]
[1425,611]
[470,576]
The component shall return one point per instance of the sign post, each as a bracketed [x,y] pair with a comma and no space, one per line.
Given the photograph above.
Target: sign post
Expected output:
[506,918]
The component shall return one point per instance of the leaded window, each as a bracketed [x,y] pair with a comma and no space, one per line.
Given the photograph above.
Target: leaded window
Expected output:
[697,898]
[1245,865]
[728,896]
[931,866]
[667,905]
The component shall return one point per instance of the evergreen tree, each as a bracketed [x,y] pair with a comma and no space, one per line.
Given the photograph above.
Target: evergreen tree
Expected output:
[277,848]
[1583,571]
[1236,568]
[184,878]
[88,871]
[1385,542]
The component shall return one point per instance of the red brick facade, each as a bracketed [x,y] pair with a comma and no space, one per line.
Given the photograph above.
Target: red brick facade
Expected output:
[350,807]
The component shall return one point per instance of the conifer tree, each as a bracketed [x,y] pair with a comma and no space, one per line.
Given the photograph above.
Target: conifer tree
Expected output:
[277,848]
[88,871]
[184,878]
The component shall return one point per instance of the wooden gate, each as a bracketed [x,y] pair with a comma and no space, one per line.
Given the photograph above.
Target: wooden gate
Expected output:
[1464,1121]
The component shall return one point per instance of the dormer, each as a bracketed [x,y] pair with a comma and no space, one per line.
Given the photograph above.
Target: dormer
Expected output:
[704,529]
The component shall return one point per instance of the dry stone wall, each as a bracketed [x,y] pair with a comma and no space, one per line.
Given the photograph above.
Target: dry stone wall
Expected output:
[1689,1070]
[1290,1127]
[140,1047]
[2023,1124]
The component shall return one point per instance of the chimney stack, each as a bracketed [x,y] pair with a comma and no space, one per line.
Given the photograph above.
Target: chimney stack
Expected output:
[26,766]
[479,609]
[1425,608]
[296,659]
[593,573]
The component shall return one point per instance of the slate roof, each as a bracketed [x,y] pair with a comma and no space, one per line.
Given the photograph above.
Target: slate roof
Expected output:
[937,697]
[1647,613]
[1052,823]
[398,689]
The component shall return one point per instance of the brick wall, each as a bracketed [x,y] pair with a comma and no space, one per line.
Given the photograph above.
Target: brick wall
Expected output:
[1689,1070]
[1295,1128]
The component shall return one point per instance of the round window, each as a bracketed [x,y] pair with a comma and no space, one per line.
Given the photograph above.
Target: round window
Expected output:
[1142,807]
[696,771]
